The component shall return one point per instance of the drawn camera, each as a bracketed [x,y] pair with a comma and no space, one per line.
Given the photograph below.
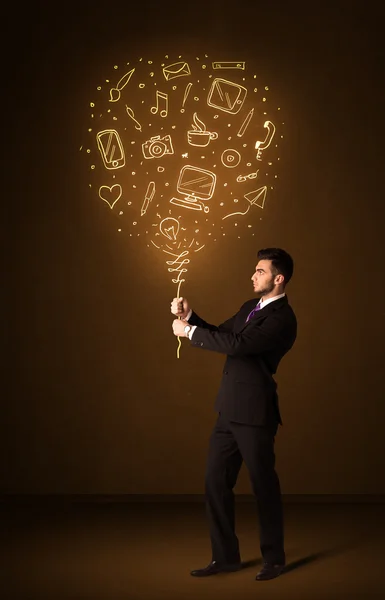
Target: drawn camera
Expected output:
[156,147]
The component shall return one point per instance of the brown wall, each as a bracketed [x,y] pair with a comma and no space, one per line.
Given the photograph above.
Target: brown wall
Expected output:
[98,402]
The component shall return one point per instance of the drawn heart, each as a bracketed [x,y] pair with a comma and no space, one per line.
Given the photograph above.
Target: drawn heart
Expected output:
[110,194]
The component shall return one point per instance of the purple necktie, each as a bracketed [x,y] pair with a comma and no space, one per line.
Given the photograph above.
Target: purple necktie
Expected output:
[256,309]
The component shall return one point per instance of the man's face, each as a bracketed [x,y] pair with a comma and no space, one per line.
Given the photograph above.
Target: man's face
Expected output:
[263,278]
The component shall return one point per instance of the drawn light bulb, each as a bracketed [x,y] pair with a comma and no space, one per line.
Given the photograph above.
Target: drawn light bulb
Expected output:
[169,228]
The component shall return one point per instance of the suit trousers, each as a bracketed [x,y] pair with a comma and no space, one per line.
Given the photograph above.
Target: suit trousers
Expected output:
[230,444]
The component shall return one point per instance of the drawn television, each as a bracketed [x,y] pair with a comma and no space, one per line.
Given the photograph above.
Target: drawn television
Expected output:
[196,185]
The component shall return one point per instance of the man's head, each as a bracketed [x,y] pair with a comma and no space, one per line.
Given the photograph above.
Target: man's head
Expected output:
[273,272]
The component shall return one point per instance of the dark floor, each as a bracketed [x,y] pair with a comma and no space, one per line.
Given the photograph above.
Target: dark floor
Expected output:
[146,551]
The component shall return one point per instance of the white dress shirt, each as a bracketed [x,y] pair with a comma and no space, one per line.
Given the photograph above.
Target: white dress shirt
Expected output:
[261,304]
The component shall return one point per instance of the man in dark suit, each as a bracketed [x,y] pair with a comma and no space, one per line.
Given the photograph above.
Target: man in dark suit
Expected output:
[255,339]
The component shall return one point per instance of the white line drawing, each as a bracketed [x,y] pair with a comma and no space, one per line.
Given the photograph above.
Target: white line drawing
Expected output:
[186,93]
[178,69]
[245,123]
[110,194]
[169,227]
[229,65]
[249,176]
[150,192]
[196,185]
[230,158]
[161,99]
[157,147]
[130,113]
[252,198]
[115,92]
[259,194]
[111,148]
[260,146]
[198,136]
[226,95]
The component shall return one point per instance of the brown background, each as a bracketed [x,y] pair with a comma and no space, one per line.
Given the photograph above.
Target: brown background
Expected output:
[97,401]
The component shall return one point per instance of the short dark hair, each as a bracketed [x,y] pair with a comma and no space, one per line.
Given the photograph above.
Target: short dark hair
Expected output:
[281,262]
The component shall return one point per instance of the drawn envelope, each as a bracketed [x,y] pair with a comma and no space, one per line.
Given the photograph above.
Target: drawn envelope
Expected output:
[179,69]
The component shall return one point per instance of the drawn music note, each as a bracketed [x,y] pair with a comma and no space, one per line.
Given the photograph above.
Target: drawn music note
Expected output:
[161,100]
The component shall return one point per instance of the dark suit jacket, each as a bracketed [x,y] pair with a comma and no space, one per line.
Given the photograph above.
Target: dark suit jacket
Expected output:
[248,391]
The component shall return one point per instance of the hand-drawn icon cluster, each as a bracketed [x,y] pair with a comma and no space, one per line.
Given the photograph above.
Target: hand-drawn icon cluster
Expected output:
[192,111]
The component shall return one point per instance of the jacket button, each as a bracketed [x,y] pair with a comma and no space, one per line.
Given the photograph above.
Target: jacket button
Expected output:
[226,372]
[201,343]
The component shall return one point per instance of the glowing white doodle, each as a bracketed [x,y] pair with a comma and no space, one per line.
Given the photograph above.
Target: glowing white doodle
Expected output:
[111,148]
[246,177]
[198,136]
[178,69]
[245,123]
[226,95]
[150,193]
[186,93]
[197,185]
[229,65]
[157,147]
[230,158]
[252,198]
[110,194]
[262,145]
[130,113]
[169,227]
[161,100]
[115,92]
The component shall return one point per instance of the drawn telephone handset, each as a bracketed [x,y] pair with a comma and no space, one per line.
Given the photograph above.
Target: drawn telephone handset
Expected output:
[262,145]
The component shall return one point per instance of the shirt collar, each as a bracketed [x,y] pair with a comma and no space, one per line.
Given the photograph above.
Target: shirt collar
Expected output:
[266,302]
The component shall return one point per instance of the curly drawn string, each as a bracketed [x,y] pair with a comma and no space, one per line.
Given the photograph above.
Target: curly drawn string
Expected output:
[180,261]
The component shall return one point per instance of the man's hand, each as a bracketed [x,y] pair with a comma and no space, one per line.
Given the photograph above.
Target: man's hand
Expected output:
[178,327]
[180,307]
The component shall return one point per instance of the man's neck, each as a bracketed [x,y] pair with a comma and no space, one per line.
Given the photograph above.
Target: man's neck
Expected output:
[272,294]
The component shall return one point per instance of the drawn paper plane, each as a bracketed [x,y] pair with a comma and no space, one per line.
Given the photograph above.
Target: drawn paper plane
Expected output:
[257,197]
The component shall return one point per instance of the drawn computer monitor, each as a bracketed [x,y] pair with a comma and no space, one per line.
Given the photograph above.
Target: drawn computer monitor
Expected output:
[194,184]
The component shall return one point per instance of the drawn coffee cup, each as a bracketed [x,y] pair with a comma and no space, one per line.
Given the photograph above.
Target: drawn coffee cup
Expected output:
[201,138]
[198,136]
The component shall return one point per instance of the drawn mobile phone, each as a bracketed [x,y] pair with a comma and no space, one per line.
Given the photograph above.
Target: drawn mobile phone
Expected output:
[226,95]
[111,148]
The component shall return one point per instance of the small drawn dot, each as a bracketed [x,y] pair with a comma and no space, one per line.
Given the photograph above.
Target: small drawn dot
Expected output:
[196,98]
[216,116]
[99,88]
[115,66]
[174,87]
[92,167]
[255,89]
[142,85]
[92,104]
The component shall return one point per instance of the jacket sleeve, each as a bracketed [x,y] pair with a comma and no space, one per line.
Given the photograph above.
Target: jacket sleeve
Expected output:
[252,340]
[225,326]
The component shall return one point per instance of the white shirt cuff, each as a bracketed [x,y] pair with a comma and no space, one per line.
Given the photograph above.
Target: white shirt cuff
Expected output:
[189,315]
[190,333]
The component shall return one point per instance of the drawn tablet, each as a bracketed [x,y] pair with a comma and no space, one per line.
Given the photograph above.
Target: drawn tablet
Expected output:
[226,96]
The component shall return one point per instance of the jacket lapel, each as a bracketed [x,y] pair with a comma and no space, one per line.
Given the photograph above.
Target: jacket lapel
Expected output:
[260,314]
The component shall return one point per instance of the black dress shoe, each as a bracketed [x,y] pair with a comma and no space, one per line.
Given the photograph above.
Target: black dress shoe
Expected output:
[269,571]
[214,567]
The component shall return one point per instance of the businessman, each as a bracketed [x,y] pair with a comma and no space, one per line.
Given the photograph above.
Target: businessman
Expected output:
[255,339]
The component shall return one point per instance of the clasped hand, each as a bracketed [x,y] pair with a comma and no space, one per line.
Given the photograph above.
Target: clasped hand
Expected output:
[180,308]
